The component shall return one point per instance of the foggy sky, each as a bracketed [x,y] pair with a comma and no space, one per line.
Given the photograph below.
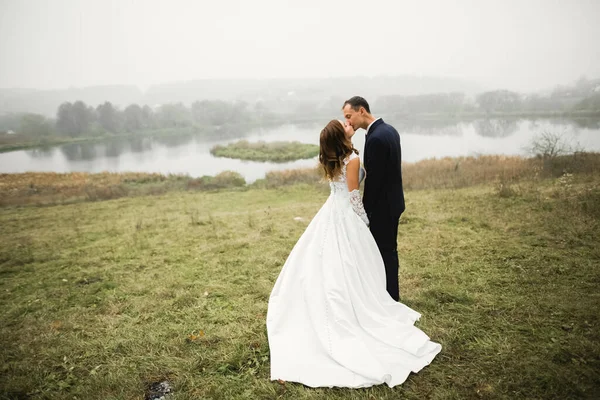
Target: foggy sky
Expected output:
[520,45]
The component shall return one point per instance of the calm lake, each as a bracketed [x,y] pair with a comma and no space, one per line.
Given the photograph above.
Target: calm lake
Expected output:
[190,155]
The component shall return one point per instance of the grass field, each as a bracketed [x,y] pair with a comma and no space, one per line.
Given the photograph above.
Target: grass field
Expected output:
[102,298]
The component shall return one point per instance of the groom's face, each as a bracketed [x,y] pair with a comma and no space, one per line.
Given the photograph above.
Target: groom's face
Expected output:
[353,118]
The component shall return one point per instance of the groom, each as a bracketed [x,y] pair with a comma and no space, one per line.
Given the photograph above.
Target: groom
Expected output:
[383,197]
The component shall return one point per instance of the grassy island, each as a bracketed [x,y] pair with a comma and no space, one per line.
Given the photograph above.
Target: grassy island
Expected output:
[266,151]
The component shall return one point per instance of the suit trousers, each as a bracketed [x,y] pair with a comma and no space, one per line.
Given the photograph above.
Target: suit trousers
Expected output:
[385,231]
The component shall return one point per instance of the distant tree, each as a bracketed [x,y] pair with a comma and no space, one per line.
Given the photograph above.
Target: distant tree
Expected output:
[65,121]
[173,116]
[11,122]
[148,118]
[200,111]
[74,119]
[92,115]
[35,125]
[211,112]
[109,117]
[591,103]
[133,118]
[83,115]
[535,102]
[240,112]
[499,101]
[260,110]
[219,112]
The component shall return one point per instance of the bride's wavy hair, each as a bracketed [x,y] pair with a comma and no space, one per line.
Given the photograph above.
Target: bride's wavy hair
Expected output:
[334,148]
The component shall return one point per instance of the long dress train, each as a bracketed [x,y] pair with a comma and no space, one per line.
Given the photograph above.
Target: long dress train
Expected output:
[330,320]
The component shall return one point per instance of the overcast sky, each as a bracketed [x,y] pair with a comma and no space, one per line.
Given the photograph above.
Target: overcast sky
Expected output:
[521,45]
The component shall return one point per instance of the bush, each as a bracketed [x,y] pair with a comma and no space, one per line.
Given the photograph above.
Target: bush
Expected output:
[550,145]
[576,163]
[226,179]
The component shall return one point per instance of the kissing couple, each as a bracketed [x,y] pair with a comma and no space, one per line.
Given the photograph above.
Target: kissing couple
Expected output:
[334,316]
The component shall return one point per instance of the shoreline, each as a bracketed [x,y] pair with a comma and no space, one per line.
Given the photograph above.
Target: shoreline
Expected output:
[208,131]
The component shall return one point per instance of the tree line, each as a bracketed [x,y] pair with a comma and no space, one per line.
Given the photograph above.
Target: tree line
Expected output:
[584,97]
[78,119]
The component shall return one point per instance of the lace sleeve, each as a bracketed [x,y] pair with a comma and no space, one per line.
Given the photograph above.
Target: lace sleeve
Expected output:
[357,206]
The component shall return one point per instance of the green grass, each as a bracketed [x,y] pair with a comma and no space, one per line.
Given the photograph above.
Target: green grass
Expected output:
[263,151]
[101,298]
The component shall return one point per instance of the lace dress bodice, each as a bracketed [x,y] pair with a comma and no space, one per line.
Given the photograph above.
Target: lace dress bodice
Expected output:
[339,187]
[340,184]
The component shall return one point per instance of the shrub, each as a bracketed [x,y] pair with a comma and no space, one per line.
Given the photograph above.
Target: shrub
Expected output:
[226,179]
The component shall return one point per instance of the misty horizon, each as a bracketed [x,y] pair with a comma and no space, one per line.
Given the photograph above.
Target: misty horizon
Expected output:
[509,45]
[145,88]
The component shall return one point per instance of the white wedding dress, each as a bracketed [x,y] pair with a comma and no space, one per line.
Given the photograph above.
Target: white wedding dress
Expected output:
[330,320]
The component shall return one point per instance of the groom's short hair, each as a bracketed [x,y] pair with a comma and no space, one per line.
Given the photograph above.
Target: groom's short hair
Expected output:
[356,103]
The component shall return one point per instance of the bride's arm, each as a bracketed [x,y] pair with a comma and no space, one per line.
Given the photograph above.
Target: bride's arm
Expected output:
[352,179]
[352,174]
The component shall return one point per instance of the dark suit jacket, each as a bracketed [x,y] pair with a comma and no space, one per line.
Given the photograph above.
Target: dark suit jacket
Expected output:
[383,193]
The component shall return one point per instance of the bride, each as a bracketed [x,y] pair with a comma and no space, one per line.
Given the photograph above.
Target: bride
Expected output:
[330,320]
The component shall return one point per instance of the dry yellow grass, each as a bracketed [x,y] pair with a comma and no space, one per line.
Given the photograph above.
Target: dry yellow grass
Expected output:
[57,188]
[50,187]
[458,172]
[465,171]
[292,176]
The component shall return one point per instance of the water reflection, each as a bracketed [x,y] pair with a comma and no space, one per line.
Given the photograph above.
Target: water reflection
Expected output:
[140,145]
[174,141]
[495,128]
[41,152]
[79,151]
[429,127]
[114,149]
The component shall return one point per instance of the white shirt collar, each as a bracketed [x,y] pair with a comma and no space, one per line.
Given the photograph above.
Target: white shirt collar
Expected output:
[369,127]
